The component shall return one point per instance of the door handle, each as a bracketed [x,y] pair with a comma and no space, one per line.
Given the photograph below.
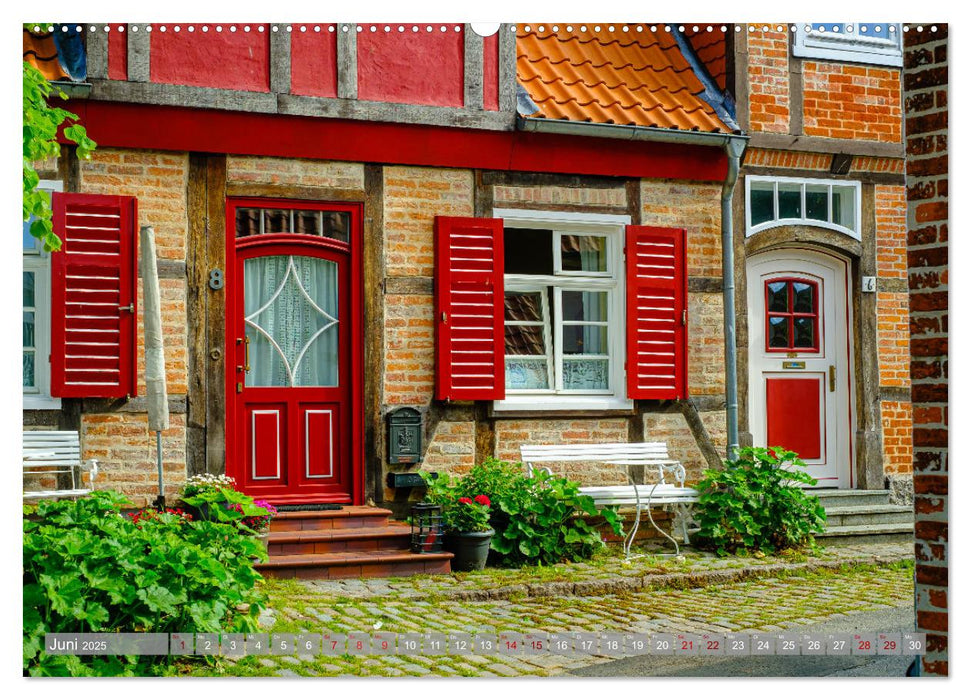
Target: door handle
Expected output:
[246,354]
[832,377]
[130,308]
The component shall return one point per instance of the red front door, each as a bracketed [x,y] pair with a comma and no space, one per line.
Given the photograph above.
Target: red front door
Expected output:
[293,351]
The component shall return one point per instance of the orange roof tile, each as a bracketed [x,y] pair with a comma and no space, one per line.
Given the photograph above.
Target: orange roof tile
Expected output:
[628,78]
[710,49]
[40,52]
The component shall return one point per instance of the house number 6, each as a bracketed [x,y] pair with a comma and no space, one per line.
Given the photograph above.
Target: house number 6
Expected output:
[216,279]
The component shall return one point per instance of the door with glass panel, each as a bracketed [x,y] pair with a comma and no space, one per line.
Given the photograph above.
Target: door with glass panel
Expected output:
[800,378]
[289,352]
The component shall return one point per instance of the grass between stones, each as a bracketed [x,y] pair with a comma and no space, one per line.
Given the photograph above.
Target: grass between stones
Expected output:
[791,597]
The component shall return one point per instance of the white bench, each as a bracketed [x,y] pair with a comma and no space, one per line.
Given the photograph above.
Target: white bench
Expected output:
[657,465]
[50,453]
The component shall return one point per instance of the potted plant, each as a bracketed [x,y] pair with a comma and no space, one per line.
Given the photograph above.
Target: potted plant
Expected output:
[467,532]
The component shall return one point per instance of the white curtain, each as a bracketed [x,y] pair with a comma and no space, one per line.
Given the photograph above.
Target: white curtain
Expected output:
[291,311]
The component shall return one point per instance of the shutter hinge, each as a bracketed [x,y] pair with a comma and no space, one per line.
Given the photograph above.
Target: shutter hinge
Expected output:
[684,317]
[445,317]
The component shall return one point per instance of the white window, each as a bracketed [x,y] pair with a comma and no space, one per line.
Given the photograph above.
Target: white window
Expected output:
[564,311]
[784,201]
[37,317]
[868,42]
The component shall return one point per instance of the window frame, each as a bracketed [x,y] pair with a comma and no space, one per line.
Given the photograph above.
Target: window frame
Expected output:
[613,227]
[792,315]
[803,183]
[850,44]
[38,261]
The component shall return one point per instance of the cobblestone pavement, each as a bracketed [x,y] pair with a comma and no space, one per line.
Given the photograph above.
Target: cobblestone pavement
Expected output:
[787,593]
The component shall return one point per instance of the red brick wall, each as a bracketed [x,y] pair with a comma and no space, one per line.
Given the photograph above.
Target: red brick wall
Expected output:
[851,102]
[925,104]
[768,74]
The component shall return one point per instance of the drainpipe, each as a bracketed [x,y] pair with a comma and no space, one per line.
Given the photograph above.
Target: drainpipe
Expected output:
[734,150]
[734,146]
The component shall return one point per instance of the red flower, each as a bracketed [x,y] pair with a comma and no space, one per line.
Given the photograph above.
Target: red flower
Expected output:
[465,500]
[483,500]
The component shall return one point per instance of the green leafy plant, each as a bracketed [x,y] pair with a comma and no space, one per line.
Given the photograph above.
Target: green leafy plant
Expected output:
[213,497]
[537,518]
[462,513]
[40,127]
[756,503]
[89,568]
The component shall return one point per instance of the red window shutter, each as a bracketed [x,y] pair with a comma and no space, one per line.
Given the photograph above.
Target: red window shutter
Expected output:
[657,332]
[469,316]
[93,296]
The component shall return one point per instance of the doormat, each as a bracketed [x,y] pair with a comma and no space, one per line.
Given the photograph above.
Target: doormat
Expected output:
[309,506]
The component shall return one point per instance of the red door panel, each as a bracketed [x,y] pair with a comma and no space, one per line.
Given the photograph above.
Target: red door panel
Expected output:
[795,418]
[268,449]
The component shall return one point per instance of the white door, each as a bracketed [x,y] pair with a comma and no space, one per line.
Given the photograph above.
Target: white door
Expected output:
[800,383]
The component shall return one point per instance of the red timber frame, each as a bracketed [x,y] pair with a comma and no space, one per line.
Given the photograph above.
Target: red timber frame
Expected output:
[352,284]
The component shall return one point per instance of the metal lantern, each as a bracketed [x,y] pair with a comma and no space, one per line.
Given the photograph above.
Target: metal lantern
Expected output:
[426,528]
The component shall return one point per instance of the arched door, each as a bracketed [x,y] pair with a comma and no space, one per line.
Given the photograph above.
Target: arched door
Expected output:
[800,378]
[292,349]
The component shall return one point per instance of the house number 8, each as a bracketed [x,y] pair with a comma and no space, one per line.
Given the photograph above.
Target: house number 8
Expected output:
[216,279]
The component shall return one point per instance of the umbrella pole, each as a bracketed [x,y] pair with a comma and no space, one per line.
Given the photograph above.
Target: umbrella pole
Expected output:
[158,458]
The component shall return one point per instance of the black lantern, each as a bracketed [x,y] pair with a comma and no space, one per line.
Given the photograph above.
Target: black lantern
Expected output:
[426,528]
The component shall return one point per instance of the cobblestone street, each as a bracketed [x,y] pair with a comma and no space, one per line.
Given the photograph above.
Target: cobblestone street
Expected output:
[651,595]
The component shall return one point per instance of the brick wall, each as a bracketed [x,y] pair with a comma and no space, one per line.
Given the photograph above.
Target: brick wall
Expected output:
[893,348]
[295,171]
[510,434]
[895,417]
[672,429]
[768,75]
[851,102]
[121,440]
[926,122]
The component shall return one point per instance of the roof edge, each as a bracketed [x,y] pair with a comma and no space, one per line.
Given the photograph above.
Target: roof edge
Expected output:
[627,132]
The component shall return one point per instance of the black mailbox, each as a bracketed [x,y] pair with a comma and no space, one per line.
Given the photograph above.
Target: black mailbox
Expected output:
[404,436]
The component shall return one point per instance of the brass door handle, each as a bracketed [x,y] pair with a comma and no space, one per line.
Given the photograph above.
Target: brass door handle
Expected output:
[246,354]
[832,377]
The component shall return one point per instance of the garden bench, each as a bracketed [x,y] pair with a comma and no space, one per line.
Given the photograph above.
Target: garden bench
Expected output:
[51,453]
[657,466]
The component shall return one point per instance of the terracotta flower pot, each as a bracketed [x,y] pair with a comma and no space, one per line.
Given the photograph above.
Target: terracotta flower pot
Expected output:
[471,549]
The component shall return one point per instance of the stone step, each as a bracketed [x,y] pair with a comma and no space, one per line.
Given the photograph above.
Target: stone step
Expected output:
[349,517]
[866,534]
[391,536]
[838,498]
[379,563]
[869,515]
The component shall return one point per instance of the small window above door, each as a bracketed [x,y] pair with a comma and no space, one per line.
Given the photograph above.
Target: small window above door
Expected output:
[256,221]
[786,201]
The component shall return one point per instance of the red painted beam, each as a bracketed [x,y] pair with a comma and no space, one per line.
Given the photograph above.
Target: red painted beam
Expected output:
[127,125]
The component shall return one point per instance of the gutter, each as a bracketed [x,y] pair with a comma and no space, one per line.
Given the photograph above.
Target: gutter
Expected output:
[734,146]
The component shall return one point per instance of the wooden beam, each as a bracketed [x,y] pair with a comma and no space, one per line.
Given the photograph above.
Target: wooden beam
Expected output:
[96,50]
[195,307]
[139,46]
[374,272]
[280,62]
[507,70]
[316,194]
[215,301]
[473,69]
[347,61]
[819,144]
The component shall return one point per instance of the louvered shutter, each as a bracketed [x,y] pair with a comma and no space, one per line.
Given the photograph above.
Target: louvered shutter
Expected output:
[657,292]
[469,322]
[93,296]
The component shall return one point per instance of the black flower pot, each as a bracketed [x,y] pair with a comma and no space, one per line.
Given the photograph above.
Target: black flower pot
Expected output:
[470,549]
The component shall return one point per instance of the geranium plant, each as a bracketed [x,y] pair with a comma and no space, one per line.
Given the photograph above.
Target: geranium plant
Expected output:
[464,514]
[257,523]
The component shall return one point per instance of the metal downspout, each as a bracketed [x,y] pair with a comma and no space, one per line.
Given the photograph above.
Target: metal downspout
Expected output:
[733,149]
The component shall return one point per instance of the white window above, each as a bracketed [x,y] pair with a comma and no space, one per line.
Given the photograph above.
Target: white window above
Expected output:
[875,43]
[787,201]
[564,311]
[37,317]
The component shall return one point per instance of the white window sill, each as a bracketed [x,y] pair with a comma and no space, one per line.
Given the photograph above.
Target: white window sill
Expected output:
[34,402]
[562,403]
